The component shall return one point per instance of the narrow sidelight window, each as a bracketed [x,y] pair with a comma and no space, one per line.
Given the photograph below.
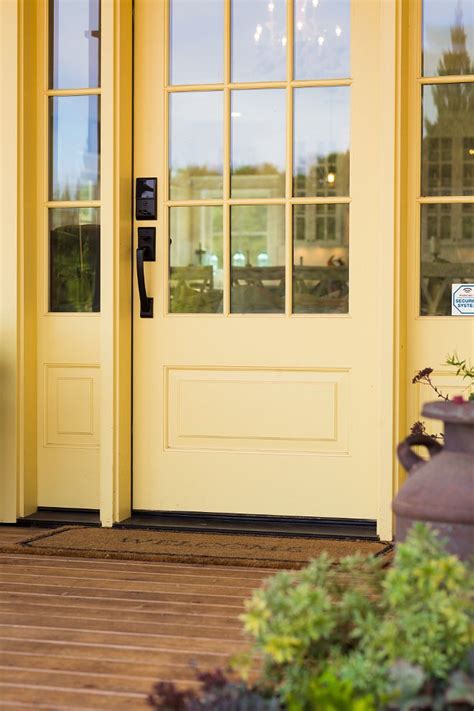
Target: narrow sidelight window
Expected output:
[74,156]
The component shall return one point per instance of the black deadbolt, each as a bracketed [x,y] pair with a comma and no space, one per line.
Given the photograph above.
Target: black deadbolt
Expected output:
[146,198]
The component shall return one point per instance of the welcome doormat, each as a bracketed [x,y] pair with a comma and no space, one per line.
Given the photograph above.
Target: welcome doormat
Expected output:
[196,547]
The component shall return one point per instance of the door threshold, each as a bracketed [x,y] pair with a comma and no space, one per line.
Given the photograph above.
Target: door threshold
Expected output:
[261,525]
[57,517]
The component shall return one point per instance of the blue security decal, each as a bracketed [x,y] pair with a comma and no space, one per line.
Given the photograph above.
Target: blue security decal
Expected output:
[462,299]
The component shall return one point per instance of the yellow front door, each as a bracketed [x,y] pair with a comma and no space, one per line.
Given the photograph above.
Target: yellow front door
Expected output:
[258,385]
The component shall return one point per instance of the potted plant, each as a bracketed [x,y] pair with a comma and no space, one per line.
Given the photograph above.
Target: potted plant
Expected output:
[441,490]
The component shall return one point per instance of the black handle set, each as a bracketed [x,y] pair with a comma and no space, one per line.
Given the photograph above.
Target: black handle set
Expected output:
[146,252]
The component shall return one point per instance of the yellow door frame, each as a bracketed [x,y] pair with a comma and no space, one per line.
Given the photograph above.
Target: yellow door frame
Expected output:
[22,35]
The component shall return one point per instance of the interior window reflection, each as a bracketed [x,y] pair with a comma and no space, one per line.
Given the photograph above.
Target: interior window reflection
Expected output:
[74,148]
[320,259]
[195,145]
[74,44]
[74,256]
[321,141]
[258,259]
[322,39]
[448,37]
[448,139]
[196,41]
[258,153]
[196,263]
[258,40]
[447,254]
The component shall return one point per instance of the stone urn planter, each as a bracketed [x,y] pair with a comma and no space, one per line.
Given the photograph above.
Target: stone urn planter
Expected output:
[440,491]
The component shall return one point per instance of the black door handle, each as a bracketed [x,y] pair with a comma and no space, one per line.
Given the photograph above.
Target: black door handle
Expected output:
[145,253]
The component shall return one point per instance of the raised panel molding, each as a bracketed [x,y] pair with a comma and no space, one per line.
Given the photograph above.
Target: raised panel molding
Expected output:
[71,405]
[257,409]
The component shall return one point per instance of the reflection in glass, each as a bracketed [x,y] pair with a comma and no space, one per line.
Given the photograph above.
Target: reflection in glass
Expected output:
[74,44]
[258,259]
[322,39]
[321,141]
[196,270]
[320,259]
[447,254]
[195,145]
[74,148]
[196,41]
[448,139]
[258,143]
[258,40]
[448,37]
[74,259]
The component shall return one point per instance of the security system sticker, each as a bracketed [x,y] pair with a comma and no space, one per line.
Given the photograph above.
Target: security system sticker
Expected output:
[462,299]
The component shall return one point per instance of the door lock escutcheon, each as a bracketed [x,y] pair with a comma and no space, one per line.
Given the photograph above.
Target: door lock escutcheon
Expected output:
[146,252]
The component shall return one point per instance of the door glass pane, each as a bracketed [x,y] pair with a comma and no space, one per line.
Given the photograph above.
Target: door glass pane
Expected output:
[196,269]
[74,148]
[196,41]
[74,44]
[321,141]
[258,259]
[322,39]
[320,259]
[74,258]
[258,40]
[258,152]
[195,147]
[448,139]
[448,37]
[447,254]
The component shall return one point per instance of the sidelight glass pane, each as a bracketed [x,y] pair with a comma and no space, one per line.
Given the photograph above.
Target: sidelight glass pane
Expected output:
[448,37]
[196,267]
[322,39]
[74,44]
[258,139]
[74,259]
[258,259]
[321,141]
[258,40]
[448,139]
[196,145]
[74,148]
[447,254]
[196,41]
[320,259]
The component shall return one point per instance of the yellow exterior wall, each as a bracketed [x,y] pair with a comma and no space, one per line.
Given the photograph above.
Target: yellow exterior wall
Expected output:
[8,261]
[18,191]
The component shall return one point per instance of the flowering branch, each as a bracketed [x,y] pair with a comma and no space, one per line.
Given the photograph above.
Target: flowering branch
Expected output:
[423,376]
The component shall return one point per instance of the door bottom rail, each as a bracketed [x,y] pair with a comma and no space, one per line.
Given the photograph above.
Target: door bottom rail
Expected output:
[189,521]
[252,524]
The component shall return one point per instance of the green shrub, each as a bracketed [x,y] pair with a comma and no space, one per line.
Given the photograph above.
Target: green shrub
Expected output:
[353,623]
[328,693]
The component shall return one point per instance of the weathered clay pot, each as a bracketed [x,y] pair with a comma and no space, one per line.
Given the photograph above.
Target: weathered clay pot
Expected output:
[441,491]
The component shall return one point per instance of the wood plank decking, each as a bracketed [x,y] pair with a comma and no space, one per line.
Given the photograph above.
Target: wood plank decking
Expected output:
[96,634]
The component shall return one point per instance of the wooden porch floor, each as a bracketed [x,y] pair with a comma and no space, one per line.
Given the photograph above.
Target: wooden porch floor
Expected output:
[102,645]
